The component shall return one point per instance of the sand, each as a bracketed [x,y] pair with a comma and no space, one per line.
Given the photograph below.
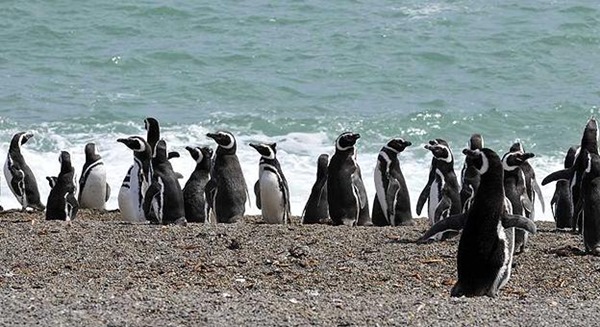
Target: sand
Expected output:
[98,271]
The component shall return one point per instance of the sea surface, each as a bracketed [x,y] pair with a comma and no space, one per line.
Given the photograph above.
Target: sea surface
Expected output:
[298,73]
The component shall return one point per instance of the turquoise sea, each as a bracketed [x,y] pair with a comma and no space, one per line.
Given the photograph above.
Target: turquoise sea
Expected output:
[298,73]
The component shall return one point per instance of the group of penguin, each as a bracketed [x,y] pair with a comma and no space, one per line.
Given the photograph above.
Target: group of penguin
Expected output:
[493,205]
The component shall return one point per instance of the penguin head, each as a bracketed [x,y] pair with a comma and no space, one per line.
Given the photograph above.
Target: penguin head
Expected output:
[517,146]
[570,157]
[135,143]
[200,153]
[65,162]
[440,150]
[397,145]
[91,152]
[224,139]
[20,139]
[512,160]
[476,142]
[266,150]
[150,123]
[160,152]
[589,141]
[52,181]
[346,141]
[482,159]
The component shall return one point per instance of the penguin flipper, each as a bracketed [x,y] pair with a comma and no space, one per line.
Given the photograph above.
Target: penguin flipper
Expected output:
[520,222]
[453,223]
[173,154]
[390,199]
[17,178]
[257,193]
[526,203]
[107,193]
[359,188]
[178,175]
[538,191]
[565,175]
[209,192]
[423,198]
[151,193]
[442,208]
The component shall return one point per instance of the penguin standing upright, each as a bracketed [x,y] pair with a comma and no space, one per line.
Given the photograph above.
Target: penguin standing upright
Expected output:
[163,201]
[484,259]
[442,193]
[135,183]
[94,191]
[533,188]
[392,201]
[562,200]
[515,189]
[62,203]
[469,177]
[152,127]
[196,208]
[226,191]
[346,194]
[271,188]
[574,175]
[316,209]
[19,177]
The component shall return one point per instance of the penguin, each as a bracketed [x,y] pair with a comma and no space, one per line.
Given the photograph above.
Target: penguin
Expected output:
[316,210]
[484,259]
[194,200]
[515,188]
[19,176]
[562,200]
[163,201]
[226,191]
[94,191]
[271,189]
[391,206]
[574,174]
[590,203]
[442,191]
[533,188]
[152,127]
[346,194]
[62,203]
[136,181]
[469,177]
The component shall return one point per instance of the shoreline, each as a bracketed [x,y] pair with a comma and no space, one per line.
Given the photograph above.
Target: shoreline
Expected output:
[100,271]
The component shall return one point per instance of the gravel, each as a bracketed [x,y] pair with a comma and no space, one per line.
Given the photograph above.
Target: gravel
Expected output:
[98,271]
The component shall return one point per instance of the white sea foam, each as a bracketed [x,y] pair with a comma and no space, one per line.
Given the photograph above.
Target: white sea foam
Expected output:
[297,153]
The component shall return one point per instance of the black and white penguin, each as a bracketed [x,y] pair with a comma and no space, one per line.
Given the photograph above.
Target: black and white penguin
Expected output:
[19,177]
[163,201]
[442,193]
[574,174]
[226,191]
[62,203]
[533,188]
[271,189]
[94,191]
[135,183]
[391,206]
[590,203]
[484,259]
[469,177]
[51,181]
[316,210]
[562,200]
[515,189]
[152,127]
[346,194]
[194,199]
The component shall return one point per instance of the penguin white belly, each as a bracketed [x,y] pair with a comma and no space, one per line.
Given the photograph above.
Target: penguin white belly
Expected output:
[272,202]
[93,195]
[8,176]
[130,198]
[381,191]
[433,201]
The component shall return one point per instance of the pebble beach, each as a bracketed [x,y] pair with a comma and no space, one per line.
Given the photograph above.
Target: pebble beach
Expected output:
[99,271]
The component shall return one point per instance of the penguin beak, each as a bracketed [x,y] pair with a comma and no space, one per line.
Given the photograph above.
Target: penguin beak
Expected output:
[355,136]
[470,153]
[189,148]
[173,154]
[428,147]
[255,145]
[127,142]
[407,143]
[528,155]
[212,135]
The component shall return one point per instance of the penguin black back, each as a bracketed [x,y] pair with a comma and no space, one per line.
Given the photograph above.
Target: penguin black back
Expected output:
[62,203]
[196,209]
[316,209]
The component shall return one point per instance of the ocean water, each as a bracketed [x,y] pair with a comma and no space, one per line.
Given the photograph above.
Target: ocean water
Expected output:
[298,73]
